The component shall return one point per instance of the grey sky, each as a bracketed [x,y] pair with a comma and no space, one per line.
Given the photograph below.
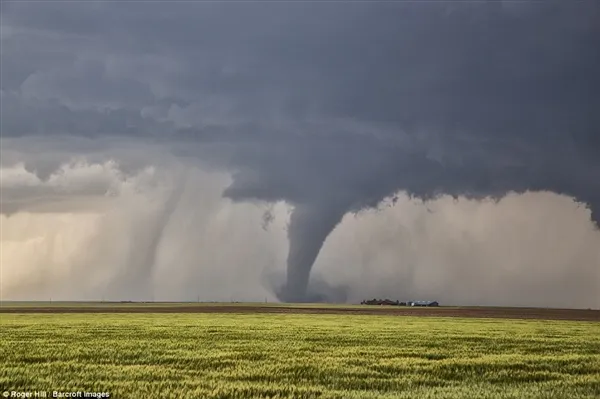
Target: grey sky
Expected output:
[463,85]
[331,105]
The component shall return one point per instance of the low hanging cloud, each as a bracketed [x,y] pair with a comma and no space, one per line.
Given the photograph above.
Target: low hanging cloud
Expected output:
[328,108]
[166,233]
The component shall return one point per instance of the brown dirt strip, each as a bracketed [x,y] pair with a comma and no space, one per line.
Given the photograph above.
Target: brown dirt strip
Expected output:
[477,312]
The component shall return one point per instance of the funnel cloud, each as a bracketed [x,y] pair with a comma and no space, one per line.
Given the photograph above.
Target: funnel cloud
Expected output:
[296,116]
[308,228]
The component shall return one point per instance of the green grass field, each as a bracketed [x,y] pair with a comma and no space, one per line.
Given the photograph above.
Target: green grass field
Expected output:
[298,356]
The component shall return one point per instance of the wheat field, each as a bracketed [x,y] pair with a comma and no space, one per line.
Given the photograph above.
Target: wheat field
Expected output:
[298,356]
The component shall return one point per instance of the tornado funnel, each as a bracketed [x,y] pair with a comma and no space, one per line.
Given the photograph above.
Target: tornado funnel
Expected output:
[309,226]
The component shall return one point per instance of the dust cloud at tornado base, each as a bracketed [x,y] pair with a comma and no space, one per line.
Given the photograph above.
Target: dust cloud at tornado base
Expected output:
[168,235]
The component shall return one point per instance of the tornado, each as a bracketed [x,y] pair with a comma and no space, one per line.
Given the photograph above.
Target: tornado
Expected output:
[143,263]
[160,225]
[308,228]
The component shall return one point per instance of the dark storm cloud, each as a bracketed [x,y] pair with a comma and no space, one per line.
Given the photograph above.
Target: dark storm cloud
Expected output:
[330,106]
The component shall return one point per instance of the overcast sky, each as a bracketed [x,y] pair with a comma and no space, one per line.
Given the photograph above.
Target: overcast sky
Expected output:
[330,107]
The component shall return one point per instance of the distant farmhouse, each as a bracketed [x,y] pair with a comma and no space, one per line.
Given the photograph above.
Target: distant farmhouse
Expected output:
[424,303]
